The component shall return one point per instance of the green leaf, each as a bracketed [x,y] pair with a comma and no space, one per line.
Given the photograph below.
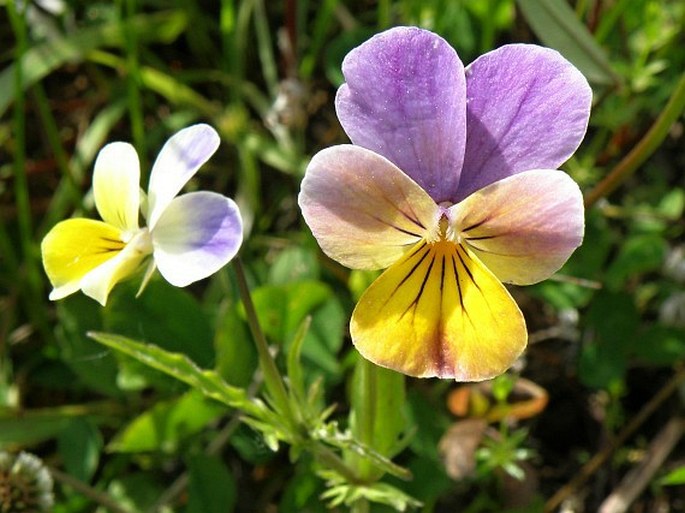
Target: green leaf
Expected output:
[236,355]
[660,345]
[135,491]
[29,427]
[381,493]
[94,365]
[79,445]
[294,365]
[558,27]
[46,57]
[251,448]
[639,254]
[282,308]
[182,368]
[613,319]
[211,487]
[25,430]
[166,316]
[325,337]
[672,204]
[301,493]
[674,478]
[294,264]
[167,424]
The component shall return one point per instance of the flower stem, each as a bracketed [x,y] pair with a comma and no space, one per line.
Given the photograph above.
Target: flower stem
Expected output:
[272,377]
[364,407]
[647,145]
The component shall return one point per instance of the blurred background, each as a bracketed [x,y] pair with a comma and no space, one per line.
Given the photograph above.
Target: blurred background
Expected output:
[594,411]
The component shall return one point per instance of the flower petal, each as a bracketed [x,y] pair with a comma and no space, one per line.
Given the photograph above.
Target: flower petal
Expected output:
[177,162]
[523,228]
[116,185]
[405,99]
[98,283]
[75,247]
[364,212]
[439,312]
[528,108]
[197,235]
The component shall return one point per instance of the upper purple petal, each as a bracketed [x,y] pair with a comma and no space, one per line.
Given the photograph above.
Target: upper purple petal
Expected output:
[405,99]
[527,108]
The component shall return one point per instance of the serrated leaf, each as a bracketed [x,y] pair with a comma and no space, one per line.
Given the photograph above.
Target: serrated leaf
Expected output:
[331,435]
[182,368]
[558,27]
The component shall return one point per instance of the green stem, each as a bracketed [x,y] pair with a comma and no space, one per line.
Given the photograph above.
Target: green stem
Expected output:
[365,409]
[91,493]
[331,460]
[644,149]
[21,191]
[272,377]
[30,268]
[133,83]
[72,188]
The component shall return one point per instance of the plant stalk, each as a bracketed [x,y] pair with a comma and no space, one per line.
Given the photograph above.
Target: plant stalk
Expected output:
[642,150]
[272,377]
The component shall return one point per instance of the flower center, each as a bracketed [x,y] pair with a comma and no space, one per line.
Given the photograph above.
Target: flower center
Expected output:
[445,232]
[139,240]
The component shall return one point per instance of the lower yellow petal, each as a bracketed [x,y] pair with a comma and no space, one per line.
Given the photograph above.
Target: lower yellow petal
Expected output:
[439,312]
[75,247]
[99,282]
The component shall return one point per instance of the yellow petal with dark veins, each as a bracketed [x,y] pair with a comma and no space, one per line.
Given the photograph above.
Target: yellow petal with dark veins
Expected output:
[440,312]
[75,247]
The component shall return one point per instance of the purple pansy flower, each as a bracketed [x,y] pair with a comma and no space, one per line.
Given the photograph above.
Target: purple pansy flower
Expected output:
[452,184]
[189,237]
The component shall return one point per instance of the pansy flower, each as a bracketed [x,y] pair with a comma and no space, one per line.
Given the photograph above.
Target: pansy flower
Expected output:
[189,237]
[451,183]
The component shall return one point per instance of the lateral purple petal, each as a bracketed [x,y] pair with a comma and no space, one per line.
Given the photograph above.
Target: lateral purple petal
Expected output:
[405,99]
[197,235]
[527,108]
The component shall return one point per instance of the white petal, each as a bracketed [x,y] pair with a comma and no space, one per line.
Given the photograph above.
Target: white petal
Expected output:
[177,162]
[197,235]
[116,185]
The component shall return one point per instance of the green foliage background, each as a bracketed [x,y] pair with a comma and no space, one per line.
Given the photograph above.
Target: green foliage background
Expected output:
[608,333]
